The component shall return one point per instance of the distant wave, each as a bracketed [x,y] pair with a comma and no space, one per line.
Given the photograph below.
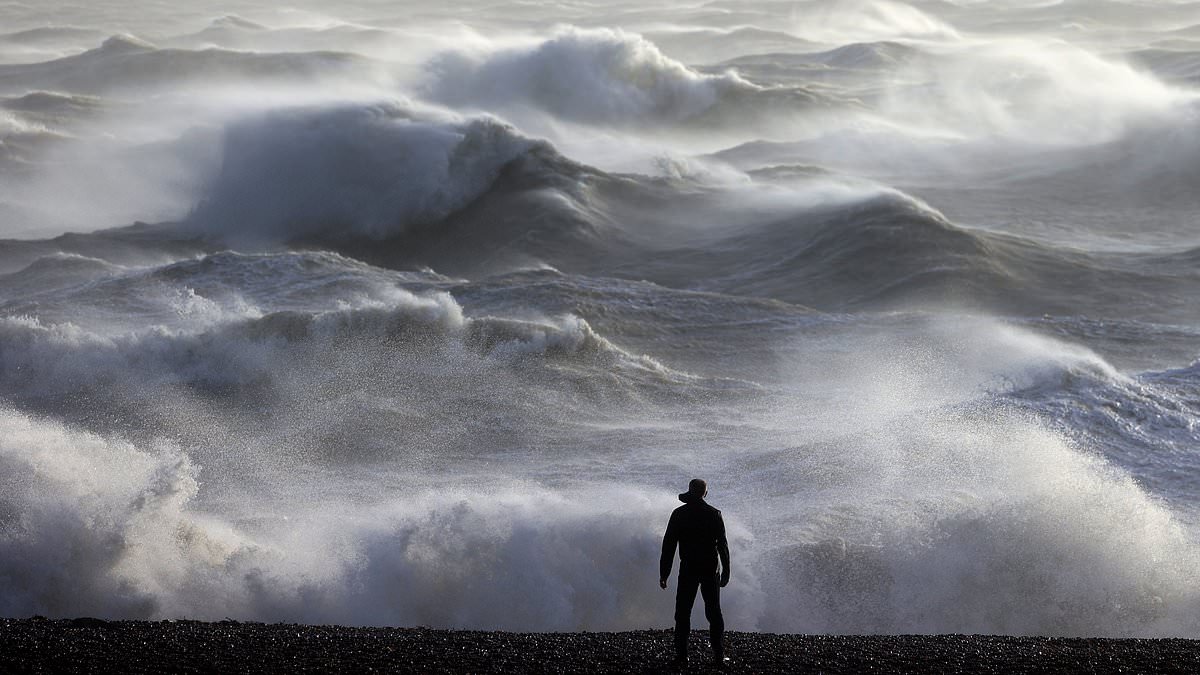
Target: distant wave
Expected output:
[124,63]
[52,103]
[856,20]
[47,42]
[874,56]
[51,34]
[707,45]
[1169,64]
[133,245]
[605,77]
[235,32]
[50,273]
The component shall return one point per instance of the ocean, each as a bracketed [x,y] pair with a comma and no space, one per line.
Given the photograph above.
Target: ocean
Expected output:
[421,314]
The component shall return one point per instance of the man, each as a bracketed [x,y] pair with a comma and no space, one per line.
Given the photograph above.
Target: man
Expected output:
[699,532]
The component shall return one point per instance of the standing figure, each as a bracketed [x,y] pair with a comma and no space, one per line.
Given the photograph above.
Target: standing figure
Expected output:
[699,532]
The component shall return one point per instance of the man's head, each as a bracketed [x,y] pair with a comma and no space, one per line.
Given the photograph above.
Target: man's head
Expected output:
[697,489]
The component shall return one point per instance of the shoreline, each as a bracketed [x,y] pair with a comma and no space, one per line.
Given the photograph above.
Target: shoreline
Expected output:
[94,645]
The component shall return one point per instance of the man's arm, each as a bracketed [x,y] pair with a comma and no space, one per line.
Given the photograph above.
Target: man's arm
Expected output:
[670,541]
[722,550]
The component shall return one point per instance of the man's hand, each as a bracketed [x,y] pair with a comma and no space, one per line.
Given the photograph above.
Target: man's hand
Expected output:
[662,583]
[724,578]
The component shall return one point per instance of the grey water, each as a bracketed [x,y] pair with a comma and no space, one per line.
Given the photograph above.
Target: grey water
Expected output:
[419,313]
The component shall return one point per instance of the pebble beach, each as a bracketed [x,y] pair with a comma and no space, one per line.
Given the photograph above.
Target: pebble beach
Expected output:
[92,645]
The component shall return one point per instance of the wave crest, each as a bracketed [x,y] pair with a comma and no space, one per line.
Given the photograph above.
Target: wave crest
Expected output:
[595,76]
[355,170]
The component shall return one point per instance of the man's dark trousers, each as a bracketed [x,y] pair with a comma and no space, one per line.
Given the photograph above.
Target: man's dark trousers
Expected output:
[710,589]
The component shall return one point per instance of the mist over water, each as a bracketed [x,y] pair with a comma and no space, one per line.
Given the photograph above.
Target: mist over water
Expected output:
[421,314]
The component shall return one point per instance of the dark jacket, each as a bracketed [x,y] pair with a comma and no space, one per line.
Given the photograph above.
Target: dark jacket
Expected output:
[699,531]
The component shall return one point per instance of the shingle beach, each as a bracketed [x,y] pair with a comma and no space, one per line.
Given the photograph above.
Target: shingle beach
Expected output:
[91,645]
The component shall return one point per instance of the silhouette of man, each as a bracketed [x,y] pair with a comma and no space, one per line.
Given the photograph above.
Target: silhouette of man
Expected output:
[699,532]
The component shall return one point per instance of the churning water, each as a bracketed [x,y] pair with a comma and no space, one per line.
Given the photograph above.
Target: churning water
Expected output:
[421,313]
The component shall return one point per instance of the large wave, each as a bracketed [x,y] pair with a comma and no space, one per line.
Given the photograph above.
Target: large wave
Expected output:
[102,527]
[351,355]
[406,187]
[935,516]
[611,78]
[370,171]
[592,76]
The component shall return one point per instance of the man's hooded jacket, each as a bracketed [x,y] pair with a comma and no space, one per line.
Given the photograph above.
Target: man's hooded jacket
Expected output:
[699,531]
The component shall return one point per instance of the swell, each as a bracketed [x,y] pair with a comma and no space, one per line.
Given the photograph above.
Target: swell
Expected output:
[52,272]
[708,45]
[877,249]
[899,250]
[232,360]
[473,197]
[137,244]
[399,187]
[843,67]
[1172,65]
[52,103]
[234,32]
[58,34]
[123,64]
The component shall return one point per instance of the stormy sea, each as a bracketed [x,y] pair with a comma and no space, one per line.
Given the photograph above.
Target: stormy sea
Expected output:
[421,313]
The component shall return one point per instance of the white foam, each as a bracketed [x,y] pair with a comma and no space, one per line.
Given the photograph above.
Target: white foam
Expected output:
[229,342]
[596,76]
[841,21]
[89,526]
[978,523]
[1031,91]
[989,524]
[100,527]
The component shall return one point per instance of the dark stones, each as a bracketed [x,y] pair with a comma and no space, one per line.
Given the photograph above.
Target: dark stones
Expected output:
[91,645]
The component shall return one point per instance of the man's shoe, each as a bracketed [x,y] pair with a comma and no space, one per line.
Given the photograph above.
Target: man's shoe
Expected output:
[721,662]
[679,663]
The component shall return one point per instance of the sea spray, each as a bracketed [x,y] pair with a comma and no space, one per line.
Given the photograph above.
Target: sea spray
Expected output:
[345,317]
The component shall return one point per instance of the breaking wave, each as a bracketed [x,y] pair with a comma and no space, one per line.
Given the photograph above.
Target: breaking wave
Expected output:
[592,76]
[127,539]
[421,318]
[368,171]
[610,78]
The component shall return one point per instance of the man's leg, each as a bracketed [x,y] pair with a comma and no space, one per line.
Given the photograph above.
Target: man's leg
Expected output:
[685,597]
[710,590]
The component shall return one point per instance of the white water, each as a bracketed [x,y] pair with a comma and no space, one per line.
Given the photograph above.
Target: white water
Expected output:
[909,283]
